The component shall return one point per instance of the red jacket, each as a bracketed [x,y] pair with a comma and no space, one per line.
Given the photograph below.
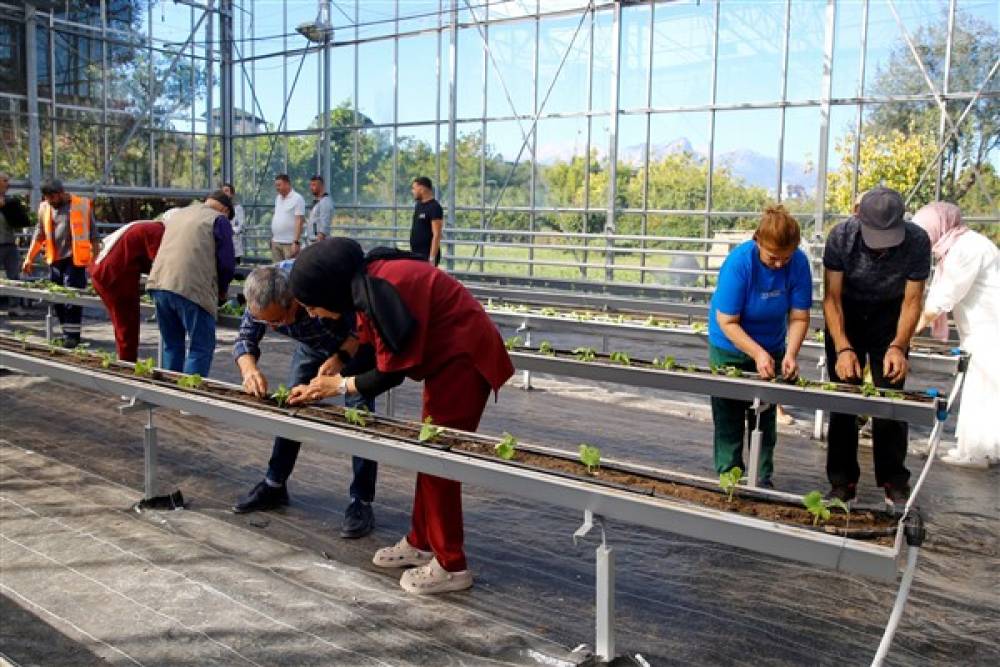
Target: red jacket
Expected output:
[131,255]
[450,324]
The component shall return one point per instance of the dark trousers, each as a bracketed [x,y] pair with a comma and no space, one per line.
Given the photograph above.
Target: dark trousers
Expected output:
[64,273]
[734,420]
[305,364]
[869,330]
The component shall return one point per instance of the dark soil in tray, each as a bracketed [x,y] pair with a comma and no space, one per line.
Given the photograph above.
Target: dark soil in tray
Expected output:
[681,367]
[867,524]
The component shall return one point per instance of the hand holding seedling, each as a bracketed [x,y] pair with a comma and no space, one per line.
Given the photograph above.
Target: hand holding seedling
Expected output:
[281,396]
[765,364]
[790,367]
[321,386]
[894,366]
[847,365]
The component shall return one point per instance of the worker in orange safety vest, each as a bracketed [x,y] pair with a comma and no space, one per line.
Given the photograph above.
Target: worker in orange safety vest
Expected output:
[67,233]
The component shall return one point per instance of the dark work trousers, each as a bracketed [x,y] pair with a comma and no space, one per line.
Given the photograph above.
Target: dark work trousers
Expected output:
[64,273]
[305,364]
[870,328]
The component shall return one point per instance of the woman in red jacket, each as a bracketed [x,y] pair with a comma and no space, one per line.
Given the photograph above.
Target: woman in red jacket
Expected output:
[426,326]
[115,274]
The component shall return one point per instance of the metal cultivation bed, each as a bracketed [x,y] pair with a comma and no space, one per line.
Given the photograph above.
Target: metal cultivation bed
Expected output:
[597,502]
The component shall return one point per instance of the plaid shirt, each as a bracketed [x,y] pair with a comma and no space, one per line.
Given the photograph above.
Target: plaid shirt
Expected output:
[322,335]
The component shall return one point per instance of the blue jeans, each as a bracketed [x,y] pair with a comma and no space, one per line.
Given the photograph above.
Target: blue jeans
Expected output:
[63,272]
[305,364]
[178,317]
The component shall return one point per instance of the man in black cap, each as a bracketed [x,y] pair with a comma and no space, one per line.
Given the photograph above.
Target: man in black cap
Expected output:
[875,265]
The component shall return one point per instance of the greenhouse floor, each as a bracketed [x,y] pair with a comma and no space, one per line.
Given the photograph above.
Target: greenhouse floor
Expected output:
[84,580]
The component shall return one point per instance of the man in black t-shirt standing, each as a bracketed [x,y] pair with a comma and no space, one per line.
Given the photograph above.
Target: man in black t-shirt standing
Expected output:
[428,221]
[875,265]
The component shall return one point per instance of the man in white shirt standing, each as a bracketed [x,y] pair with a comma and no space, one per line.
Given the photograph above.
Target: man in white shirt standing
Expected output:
[288,221]
[321,213]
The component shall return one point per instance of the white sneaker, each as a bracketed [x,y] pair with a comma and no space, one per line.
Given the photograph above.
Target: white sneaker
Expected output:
[401,554]
[432,578]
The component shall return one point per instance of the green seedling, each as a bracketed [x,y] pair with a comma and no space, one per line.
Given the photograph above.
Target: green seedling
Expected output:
[506,447]
[521,308]
[22,336]
[715,369]
[868,389]
[513,342]
[545,347]
[585,353]
[893,394]
[819,336]
[828,386]
[620,358]
[733,372]
[591,457]
[699,327]
[668,363]
[820,508]
[281,395]
[356,416]
[107,358]
[649,321]
[548,312]
[193,381]
[429,432]
[801,382]
[691,368]
[144,368]
[80,351]
[729,480]
[232,309]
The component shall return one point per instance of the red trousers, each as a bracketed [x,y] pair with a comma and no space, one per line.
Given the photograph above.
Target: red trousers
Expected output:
[121,298]
[455,396]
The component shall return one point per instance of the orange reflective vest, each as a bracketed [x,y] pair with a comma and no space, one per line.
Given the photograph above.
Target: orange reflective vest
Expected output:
[80,215]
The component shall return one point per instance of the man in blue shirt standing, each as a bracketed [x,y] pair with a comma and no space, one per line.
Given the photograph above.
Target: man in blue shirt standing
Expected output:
[759,314]
[325,347]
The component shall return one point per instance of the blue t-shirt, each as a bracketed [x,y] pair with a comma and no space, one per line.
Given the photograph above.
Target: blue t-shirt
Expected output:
[761,296]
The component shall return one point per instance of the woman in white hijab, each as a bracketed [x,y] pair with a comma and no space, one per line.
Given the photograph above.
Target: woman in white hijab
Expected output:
[966,283]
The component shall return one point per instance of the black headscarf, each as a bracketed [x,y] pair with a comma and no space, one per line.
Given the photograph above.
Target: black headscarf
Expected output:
[331,274]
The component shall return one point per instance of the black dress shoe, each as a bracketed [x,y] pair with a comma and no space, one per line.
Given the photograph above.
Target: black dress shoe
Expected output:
[359,520]
[261,498]
[842,492]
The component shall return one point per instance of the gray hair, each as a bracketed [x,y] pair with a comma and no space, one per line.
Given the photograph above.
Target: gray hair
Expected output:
[265,286]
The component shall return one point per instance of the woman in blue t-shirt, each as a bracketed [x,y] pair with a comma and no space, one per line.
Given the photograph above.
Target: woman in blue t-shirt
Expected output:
[762,300]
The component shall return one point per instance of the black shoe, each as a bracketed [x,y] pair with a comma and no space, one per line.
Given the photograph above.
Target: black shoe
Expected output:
[766,484]
[896,495]
[261,498]
[71,342]
[842,492]
[359,520]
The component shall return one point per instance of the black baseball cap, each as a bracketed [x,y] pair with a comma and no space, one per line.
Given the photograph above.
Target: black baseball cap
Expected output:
[881,215]
[224,199]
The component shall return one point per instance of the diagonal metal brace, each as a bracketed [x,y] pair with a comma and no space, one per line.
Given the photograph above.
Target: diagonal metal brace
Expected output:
[589,521]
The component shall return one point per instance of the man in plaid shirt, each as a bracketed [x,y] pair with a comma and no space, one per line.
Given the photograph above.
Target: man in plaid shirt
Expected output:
[325,347]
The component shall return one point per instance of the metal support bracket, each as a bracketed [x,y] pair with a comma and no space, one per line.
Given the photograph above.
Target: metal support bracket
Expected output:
[525,328]
[149,442]
[753,464]
[604,638]
[50,322]
[818,419]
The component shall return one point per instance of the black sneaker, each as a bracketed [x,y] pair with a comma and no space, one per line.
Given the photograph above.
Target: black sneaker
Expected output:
[766,484]
[71,342]
[359,520]
[843,492]
[261,498]
[896,495]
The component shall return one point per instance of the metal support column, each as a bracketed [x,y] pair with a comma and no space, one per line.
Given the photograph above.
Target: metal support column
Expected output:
[609,223]
[824,118]
[34,135]
[324,167]
[604,630]
[525,328]
[227,87]
[753,461]
[452,133]
[49,318]
[149,443]
[824,376]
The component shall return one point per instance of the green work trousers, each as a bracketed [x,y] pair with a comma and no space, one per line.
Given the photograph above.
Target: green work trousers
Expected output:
[735,420]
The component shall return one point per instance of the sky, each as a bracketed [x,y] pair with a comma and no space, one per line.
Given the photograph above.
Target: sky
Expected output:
[750,65]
